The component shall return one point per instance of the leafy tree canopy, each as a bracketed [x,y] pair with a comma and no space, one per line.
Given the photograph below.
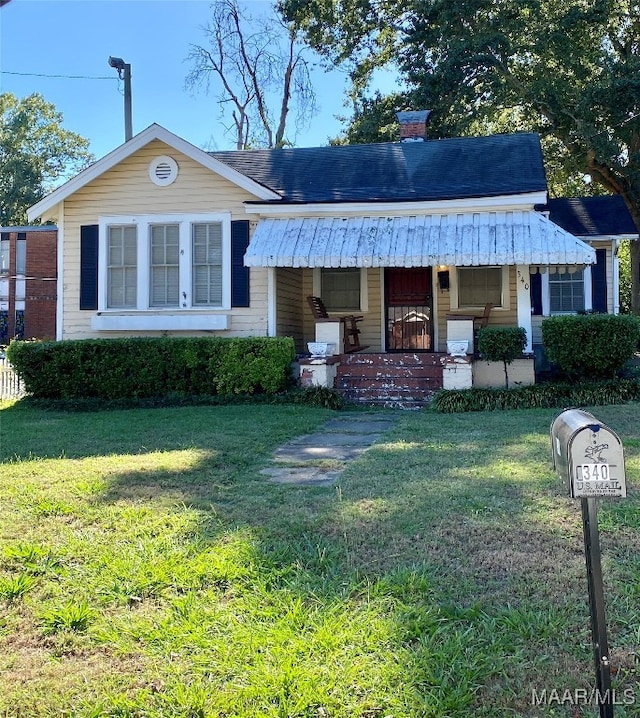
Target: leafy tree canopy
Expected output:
[568,69]
[35,154]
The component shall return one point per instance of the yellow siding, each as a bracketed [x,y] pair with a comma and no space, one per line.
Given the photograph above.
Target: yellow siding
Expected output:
[499,317]
[290,306]
[127,189]
[370,326]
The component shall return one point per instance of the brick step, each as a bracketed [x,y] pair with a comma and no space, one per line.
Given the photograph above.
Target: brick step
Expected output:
[381,372]
[387,395]
[388,360]
[390,396]
[389,383]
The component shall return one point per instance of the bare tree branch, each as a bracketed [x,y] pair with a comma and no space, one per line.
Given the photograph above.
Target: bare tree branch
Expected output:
[257,66]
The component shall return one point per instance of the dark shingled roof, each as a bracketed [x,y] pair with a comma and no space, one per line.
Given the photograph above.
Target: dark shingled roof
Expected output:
[591,216]
[455,168]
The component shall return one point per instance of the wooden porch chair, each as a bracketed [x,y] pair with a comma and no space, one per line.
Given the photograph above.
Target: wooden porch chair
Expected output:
[349,322]
[480,322]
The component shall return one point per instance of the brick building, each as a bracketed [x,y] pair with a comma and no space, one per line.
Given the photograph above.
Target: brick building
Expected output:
[28,286]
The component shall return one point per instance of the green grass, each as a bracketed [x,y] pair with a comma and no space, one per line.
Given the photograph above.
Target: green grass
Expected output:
[148,570]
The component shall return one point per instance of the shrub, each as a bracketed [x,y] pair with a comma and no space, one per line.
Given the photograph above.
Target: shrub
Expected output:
[561,395]
[502,344]
[136,367]
[320,396]
[590,345]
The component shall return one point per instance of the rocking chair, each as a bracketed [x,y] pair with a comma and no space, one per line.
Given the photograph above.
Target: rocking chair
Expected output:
[349,322]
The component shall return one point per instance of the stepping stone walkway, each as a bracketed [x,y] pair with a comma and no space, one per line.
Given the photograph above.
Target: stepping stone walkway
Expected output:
[318,459]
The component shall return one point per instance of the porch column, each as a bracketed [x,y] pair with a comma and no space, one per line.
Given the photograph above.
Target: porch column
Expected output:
[271,302]
[524,303]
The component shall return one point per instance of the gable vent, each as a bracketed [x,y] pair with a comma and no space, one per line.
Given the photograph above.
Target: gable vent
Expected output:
[163,171]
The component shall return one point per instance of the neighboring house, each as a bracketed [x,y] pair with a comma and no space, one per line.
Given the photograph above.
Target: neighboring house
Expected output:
[28,282]
[160,237]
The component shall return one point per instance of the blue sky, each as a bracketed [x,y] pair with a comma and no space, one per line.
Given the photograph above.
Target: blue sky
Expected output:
[76,37]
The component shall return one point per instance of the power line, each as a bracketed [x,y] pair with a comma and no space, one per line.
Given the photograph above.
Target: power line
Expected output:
[65,77]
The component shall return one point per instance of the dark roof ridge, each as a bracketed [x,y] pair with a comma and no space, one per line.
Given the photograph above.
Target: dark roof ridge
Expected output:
[388,143]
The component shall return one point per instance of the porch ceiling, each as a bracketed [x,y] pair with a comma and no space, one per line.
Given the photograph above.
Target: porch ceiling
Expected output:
[472,239]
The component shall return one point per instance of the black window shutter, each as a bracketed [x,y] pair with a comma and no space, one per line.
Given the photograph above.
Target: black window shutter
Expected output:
[535,290]
[239,273]
[599,282]
[89,266]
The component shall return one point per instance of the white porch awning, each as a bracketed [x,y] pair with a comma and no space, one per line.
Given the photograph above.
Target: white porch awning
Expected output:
[461,240]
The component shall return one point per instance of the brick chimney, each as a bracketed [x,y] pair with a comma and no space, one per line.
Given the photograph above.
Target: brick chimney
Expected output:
[413,125]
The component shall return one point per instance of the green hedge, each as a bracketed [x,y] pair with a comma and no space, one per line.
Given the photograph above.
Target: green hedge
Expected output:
[590,345]
[149,367]
[561,395]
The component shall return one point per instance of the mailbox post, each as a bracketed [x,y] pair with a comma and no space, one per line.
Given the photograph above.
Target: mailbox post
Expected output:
[588,457]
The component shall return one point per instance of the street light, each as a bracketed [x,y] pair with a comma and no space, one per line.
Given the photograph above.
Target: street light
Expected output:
[124,72]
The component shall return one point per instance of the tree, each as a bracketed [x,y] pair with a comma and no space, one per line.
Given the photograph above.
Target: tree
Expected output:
[262,69]
[502,344]
[568,69]
[624,259]
[35,154]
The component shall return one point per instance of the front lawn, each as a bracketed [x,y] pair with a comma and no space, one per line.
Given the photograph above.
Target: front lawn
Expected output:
[148,570]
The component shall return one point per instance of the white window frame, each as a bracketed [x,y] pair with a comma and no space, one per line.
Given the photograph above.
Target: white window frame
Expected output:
[586,293]
[5,255]
[364,292]
[143,222]
[21,257]
[454,284]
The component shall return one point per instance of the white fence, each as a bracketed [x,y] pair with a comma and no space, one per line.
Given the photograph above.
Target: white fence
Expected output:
[11,386]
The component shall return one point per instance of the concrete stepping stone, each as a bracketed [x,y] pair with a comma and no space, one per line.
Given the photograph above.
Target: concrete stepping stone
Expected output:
[340,439]
[302,475]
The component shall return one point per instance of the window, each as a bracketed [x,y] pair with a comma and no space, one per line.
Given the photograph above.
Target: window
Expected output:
[478,286]
[165,266]
[21,256]
[566,292]
[4,253]
[122,269]
[165,262]
[340,289]
[207,264]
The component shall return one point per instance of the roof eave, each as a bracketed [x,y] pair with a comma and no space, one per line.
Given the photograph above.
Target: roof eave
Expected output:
[525,200]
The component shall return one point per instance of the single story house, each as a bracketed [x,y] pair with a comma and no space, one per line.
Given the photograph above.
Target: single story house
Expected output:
[414,237]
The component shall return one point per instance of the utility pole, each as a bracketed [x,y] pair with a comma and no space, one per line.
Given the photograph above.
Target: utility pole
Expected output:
[124,73]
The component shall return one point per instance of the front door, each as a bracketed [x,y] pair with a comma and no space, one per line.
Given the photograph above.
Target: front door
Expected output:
[408,295]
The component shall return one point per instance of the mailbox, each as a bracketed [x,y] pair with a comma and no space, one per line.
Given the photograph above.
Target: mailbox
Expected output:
[587,455]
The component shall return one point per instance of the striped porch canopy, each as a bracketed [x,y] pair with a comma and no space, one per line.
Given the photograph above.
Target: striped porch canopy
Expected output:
[462,240]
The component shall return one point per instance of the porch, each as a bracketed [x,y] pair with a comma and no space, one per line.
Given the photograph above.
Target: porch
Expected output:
[414,283]
[407,380]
